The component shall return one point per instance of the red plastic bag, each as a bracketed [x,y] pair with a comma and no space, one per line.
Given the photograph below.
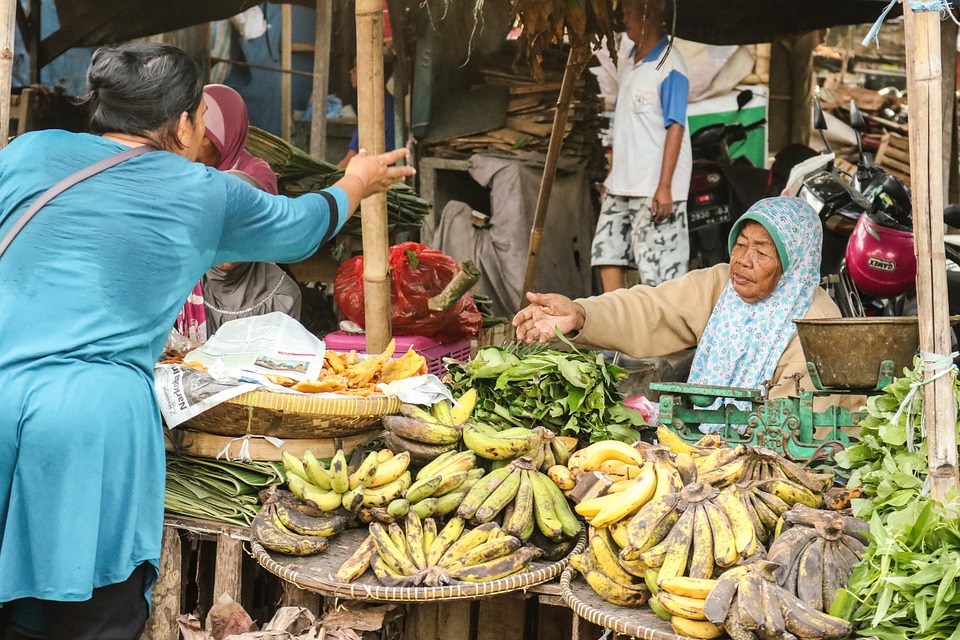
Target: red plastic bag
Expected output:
[417,274]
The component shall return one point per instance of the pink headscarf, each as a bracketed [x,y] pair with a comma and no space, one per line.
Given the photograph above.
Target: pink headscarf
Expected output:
[226,122]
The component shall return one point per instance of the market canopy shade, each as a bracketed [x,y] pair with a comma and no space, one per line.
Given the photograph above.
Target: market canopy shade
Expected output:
[95,22]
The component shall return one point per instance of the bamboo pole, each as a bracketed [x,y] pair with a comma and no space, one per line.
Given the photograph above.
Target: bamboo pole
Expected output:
[321,78]
[576,60]
[8,25]
[286,62]
[376,240]
[924,74]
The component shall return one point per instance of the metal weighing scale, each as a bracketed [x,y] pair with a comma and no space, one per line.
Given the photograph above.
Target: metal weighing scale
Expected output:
[841,352]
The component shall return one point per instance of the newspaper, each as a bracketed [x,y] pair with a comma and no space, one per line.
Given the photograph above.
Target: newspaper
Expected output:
[271,344]
[184,393]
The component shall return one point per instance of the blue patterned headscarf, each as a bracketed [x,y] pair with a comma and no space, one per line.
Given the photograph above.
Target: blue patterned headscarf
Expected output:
[743,342]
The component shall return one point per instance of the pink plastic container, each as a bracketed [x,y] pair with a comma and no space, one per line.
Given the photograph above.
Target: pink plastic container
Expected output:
[430,349]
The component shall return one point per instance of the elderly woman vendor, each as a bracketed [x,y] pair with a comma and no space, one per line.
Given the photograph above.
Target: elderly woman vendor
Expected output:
[739,316]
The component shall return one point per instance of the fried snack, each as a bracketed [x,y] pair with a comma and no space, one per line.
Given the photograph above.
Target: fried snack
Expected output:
[351,358]
[407,365]
[335,383]
[281,380]
[362,373]
[335,360]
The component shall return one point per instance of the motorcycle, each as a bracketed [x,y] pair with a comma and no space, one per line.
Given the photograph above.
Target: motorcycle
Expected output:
[721,188]
[868,265]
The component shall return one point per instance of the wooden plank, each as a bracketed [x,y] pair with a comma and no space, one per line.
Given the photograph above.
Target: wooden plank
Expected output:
[501,618]
[453,620]
[420,621]
[924,74]
[228,576]
[294,596]
[162,624]
[208,445]
[8,28]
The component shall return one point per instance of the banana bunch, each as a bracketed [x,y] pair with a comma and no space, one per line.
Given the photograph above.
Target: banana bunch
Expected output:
[747,602]
[681,600]
[616,581]
[652,479]
[420,553]
[765,501]
[428,434]
[438,488]
[592,457]
[379,479]
[697,532]
[528,500]
[678,445]
[727,465]
[550,452]
[509,444]
[286,525]
[817,554]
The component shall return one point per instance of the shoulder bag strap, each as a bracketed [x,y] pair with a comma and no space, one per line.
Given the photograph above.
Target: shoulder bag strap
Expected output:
[65,184]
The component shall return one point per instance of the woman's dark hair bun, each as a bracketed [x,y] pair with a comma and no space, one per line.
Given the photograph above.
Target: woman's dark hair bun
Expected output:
[141,89]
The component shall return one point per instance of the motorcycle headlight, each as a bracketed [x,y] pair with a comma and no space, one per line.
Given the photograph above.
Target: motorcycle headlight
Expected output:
[811,198]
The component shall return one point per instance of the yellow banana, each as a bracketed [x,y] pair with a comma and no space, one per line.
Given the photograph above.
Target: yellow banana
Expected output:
[352,500]
[467,540]
[629,500]
[414,532]
[744,533]
[431,432]
[562,477]
[683,606]
[725,550]
[314,496]
[504,445]
[691,587]
[723,475]
[441,411]
[792,493]
[695,628]
[388,551]
[462,461]
[294,466]
[356,565]
[389,470]
[461,411]
[316,473]
[366,472]
[717,458]
[489,550]
[614,592]
[431,467]
[498,567]
[678,547]
[618,530]
[430,534]
[686,467]
[383,455]
[701,563]
[383,495]
[605,559]
[450,533]
[597,453]
[339,477]
[673,441]
[668,478]
[651,524]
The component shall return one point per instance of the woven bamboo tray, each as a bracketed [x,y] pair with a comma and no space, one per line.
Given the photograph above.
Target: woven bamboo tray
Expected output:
[638,622]
[316,573]
[293,415]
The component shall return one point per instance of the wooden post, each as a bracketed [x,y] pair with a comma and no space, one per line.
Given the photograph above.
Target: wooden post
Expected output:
[576,59]
[376,239]
[162,624]
[228,577]
[926,173]
[8,25]
[321,78]
[286,62]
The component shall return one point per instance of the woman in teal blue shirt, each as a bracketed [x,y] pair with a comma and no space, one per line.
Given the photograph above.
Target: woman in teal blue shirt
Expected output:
[88,292]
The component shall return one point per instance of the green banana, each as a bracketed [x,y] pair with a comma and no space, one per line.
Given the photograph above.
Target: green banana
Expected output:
[499,498]
[568,519]
[520,522]
[544,508]
[480,491]
[425,508]
[398,508]
[422,489]
[316,472]
[448,503]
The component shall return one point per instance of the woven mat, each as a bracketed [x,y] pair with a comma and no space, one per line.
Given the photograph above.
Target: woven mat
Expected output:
[293,415]
[316,573]
[640,622]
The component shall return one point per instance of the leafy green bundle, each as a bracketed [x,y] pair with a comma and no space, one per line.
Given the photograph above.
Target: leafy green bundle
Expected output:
[572,393]
[217,490]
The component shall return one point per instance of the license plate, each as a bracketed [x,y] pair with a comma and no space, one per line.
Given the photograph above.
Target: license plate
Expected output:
[707,217]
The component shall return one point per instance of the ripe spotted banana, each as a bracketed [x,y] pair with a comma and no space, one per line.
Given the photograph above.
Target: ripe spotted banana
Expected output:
[385,494]
[504,445]
[420,452]
[497,568]
[413,529]
[366,472]
[674,442]
[701,561]
[389,470]
[678,543]
[305,525]
[355,566]
[450,533]
[392,554]
[654,519]
[683,606]
[615,592]
[270,532]
[419,430]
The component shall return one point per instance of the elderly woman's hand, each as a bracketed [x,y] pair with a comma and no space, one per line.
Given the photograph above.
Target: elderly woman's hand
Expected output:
[546,314]
[376,172]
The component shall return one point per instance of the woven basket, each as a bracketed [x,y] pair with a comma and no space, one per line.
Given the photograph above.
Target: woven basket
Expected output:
[638,622]
[316,573]
[293,415]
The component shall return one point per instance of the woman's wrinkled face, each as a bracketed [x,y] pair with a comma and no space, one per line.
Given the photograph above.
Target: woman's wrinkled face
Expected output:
[755,267]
